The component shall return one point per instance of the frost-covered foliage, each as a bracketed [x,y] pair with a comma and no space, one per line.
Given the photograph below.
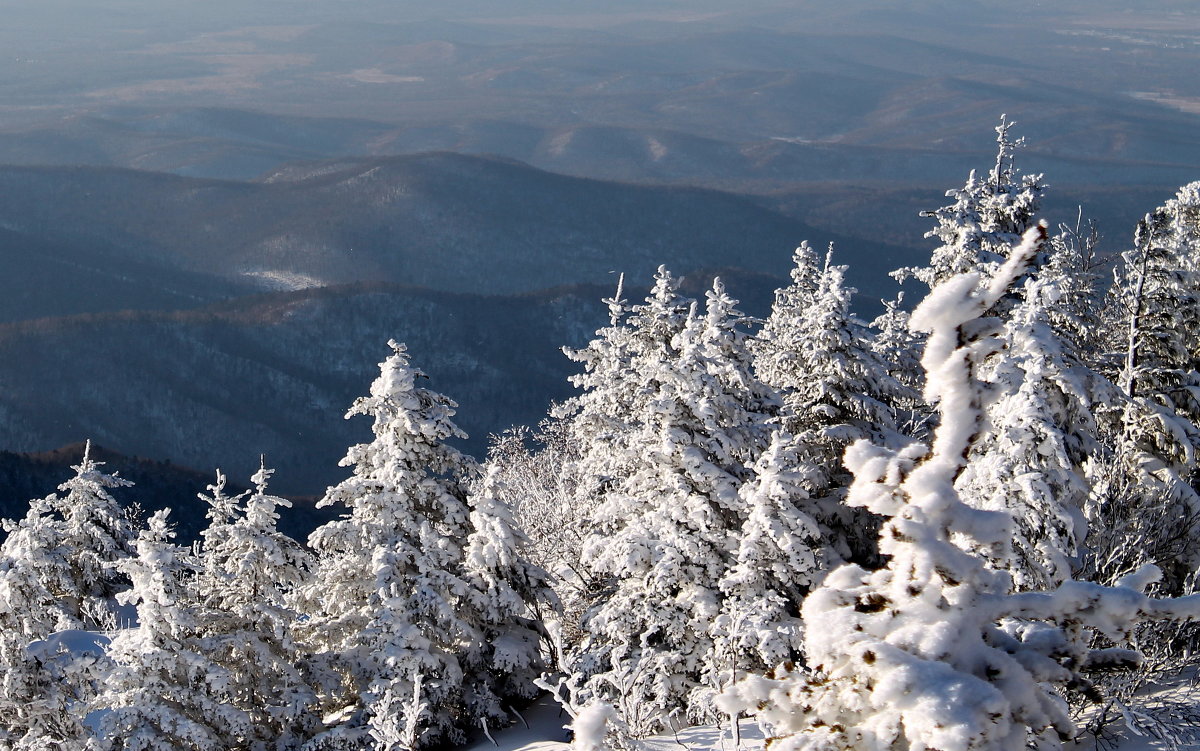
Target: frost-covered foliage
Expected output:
[541,471]
[780,557]
[58,573]
[507,604]
[166,690]
[689,505]
[249,570]
[818,354]
[1154,326]
[836,389]
[898,346]
[387,606]
[64,552]
[617,384]
[1036,434]
[987,217]
[932,651]
[211,663]
[666,534]
[45,688]
[777,344]
[594,431]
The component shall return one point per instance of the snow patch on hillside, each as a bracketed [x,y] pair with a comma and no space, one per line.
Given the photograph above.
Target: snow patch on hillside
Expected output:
[284,281]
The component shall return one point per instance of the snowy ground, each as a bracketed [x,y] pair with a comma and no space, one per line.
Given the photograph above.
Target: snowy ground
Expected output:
[545,732]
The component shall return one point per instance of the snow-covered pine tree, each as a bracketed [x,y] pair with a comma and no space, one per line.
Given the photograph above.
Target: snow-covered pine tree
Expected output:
[1036,435]
[167,691]
[987,218]
[668,530]
[249,569]
[614,386]
[94,533]
[29,559]
[895,343]
[46,687]
[932,651]
[507,605]
[33,566]
[594,429]
[42,696]
[386,603]
[780,557]
[1073,261]
[777,343]
[1154,322]
[57,573]
[836,389]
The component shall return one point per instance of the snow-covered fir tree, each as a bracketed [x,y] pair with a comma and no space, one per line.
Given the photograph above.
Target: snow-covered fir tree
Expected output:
[667,534]
[616,384]
[777,344]
[987,218]
[58,574]
[594,430]
[31,562]
[46,688]
[388,601]
[249,570]
[1036,435]
[33,568]
[96,534]
[69,543]
[1073,261]
[836,389]
[780,557]
[932,650]
[167,690]
[898,346]
[507,605]
[1154,327]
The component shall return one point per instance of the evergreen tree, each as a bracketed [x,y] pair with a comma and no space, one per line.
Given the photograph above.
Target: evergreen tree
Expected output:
[71,543]
[58,574]
[931,651]
[1036,435]
[1154,322]
[898,347]
[614,386]
[1157,292]
[387,602]
[249,570]
[46,687]
[506,606]
[596,428]
[779,558]
[34,566]
[167,691]
[836,389]
[43,691]
[777,345]
[669,529]
[987,217]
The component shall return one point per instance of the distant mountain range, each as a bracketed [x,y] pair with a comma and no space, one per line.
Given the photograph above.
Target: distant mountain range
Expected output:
[443,221]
